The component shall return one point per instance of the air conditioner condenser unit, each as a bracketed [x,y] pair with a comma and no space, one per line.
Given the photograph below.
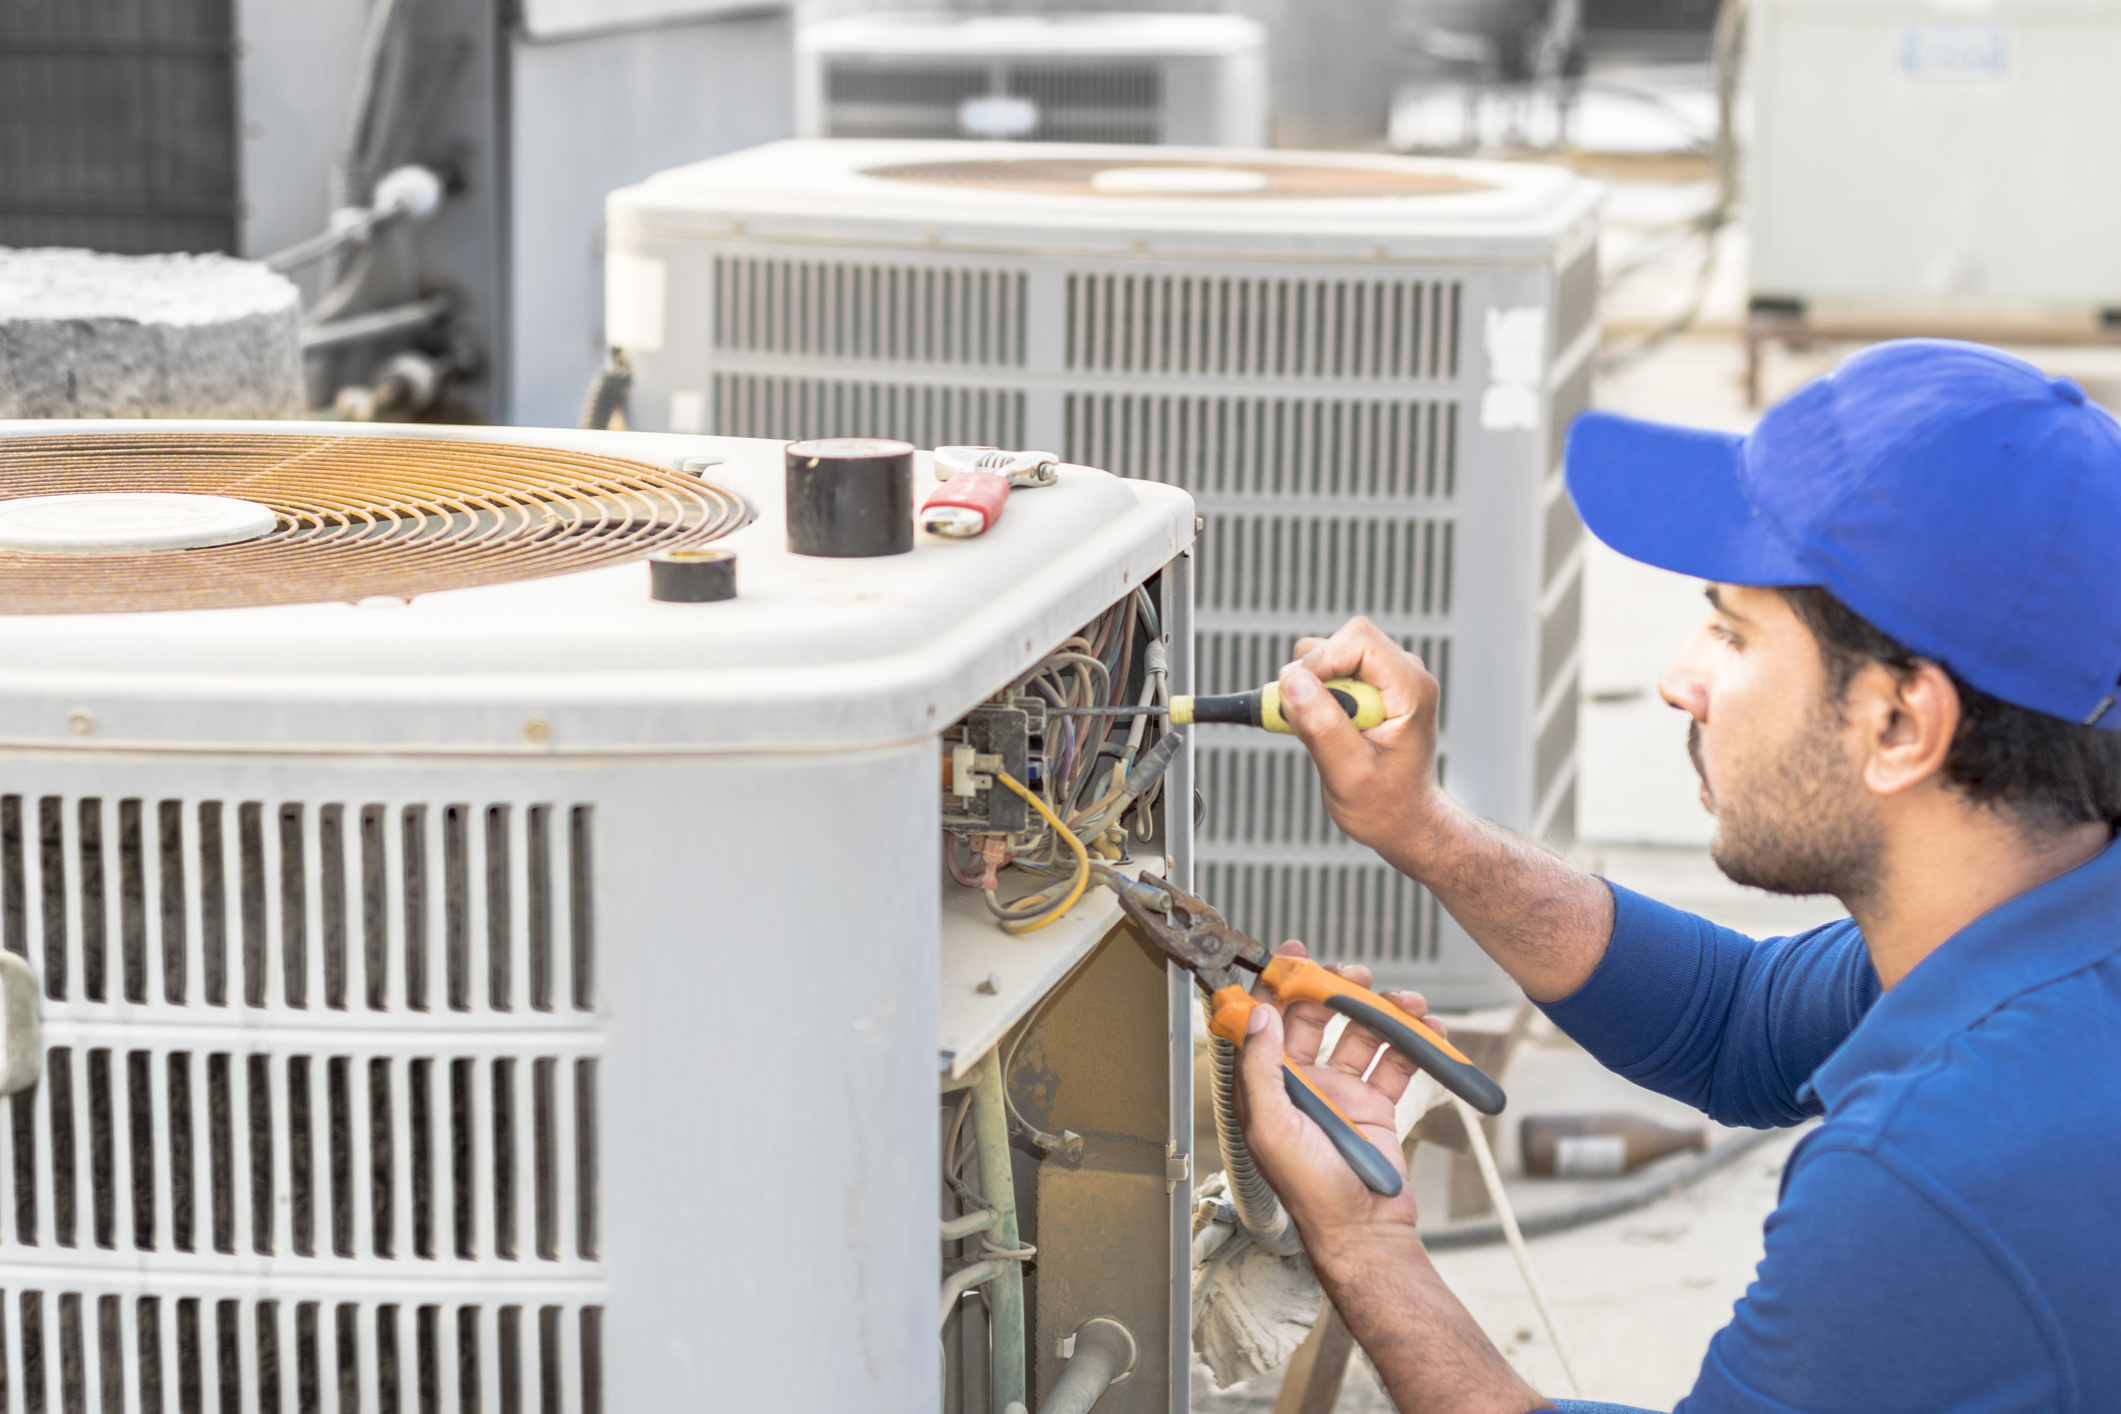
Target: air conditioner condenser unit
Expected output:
[439,975]
[1101,76]
[1360,366]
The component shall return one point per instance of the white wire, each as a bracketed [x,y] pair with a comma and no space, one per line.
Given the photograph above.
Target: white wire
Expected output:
[1483,1156]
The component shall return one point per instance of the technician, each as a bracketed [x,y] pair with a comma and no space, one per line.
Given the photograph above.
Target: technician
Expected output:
[1904,696]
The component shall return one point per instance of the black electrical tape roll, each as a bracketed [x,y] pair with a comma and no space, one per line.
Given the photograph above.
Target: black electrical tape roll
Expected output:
[692,576]
[1468,1082]
[850,497]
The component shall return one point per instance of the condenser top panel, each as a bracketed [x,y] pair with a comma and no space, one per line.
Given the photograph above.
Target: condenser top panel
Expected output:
[1040,36]
[486,589]
[1083,197]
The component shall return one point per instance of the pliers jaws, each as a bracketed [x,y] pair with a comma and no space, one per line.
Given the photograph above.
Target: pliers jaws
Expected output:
[1223,960]
[1191,931]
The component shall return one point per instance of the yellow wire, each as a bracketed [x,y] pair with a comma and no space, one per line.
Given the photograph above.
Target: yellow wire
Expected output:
[1082,856]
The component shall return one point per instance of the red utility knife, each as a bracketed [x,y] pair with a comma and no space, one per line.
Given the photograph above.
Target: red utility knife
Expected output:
[976,484]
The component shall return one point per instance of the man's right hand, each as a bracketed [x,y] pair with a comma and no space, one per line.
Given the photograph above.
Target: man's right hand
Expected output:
[1380,785]
[1543,919]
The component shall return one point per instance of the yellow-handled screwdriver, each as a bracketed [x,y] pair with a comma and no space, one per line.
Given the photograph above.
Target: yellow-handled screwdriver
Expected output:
[1261,707]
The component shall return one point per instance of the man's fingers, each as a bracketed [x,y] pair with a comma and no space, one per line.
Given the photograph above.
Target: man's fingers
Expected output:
[1360,649]
[1359,1049]
[1304,1022]
[1320,724]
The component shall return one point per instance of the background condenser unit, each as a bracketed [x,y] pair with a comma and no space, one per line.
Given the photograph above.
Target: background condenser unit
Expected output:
[1912,169]
[1361,368]
[437,975]
[1111,76]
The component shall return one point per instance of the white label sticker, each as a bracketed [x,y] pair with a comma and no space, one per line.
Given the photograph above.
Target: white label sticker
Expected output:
[1955,53]
[633,301]
[688,411]
[1590,1156]
[1515,341]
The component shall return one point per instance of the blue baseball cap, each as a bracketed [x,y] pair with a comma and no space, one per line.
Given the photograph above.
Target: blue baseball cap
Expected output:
[1958,498]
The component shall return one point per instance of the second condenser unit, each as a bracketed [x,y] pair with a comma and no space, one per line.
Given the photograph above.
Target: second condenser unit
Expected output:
[1113,76]
[1360,366]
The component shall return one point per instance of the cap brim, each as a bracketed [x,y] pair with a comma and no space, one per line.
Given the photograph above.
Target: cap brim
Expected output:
[1674,497]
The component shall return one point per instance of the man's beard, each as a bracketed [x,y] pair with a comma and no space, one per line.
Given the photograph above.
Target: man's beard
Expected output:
[1799,826]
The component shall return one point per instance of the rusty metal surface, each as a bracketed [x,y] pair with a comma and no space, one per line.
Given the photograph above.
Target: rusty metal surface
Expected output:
[359,517]
[1097,1059]
[1289,181]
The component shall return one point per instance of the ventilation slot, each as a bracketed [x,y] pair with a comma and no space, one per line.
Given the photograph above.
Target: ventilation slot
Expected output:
[1120,103]
[1268,446]
[1326,565]
[1367,913]
[786,409]
[336,907]
[319,1156]
[1233,327]
[1559,633]
[1556,748]
[902,101]
[891,313]
[1262,797]
[70,1352]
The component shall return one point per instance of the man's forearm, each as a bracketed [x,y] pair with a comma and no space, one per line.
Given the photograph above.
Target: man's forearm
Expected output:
[1426,1346]
[1546,921]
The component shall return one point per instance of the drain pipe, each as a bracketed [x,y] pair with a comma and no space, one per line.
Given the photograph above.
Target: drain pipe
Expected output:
[1005,1291]
[1101,1355]
[1259,1212]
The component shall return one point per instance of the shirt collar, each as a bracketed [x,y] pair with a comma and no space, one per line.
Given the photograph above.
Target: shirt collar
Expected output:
[2064,926]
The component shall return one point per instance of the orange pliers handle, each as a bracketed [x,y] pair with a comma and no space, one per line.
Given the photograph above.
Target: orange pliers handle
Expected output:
[1294,979]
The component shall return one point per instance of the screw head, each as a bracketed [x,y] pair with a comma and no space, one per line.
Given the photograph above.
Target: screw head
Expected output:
[80,721]
[537,731]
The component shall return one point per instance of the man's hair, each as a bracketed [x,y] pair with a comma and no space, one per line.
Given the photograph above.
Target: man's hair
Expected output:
[2048,772]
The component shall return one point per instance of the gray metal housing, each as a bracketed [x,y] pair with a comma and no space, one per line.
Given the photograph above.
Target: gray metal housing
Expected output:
[1366,395]
[526,996]
[538,116]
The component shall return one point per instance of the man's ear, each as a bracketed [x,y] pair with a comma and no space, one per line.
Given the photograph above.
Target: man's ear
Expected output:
[1907,719]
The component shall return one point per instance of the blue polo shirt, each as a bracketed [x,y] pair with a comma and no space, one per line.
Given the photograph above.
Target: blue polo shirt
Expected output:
[1949,1238]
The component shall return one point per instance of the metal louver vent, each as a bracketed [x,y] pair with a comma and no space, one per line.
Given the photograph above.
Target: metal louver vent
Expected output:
[359,517]
[925,414]
[1263,328]
[318,1119]
[889,313]
[1273,446]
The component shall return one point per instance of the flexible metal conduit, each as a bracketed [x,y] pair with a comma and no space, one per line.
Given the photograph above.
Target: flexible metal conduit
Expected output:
[1005,1293]
[1258,1210]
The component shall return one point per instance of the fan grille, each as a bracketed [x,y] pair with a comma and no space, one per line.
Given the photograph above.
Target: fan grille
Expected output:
[1285,181]
[359,517]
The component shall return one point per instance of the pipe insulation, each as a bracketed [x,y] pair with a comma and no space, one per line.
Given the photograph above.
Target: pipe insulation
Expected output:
[1005,1294]
[1104,1353]
[1259,1212]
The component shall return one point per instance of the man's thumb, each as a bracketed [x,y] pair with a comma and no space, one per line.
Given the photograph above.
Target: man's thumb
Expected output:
[1316,715]
[1261,1062]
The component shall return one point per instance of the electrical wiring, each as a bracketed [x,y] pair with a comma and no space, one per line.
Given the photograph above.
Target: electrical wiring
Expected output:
[1083,781]
[950,863]
[1048,1143]
[1031,921]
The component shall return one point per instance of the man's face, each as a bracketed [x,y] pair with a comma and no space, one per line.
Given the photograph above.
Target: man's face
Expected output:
[1778,765]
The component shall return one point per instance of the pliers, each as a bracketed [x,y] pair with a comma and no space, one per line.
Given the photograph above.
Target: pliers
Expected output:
[1222,960]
